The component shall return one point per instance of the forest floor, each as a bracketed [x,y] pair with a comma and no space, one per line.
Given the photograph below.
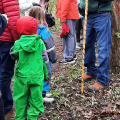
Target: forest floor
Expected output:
[69,103]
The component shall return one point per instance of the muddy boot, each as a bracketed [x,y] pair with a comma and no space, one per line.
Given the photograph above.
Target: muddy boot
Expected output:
[95,87]
[86,78]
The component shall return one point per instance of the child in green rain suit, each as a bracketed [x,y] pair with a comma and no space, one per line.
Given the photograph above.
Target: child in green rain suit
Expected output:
[31,69]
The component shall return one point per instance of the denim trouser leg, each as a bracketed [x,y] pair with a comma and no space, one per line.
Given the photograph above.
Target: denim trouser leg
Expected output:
[6,73]
[69,41]
[90,49]
[102,24]
[99,25]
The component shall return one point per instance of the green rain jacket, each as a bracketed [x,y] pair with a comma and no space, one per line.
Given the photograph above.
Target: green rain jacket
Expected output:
[31,54]
[97,6]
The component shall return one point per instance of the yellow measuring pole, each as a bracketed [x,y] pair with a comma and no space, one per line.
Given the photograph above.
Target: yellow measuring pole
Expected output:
[84,38]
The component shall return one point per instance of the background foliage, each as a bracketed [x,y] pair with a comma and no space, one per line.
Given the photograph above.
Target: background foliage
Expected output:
[52,10]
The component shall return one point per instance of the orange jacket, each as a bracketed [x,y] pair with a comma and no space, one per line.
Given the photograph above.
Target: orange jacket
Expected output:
[67,9]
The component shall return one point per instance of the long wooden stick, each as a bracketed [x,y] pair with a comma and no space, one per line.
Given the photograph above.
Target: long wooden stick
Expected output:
[84,38]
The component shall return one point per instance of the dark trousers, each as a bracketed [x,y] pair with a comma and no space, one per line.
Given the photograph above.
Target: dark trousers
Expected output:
[1,110]
[6,73]
[78,28]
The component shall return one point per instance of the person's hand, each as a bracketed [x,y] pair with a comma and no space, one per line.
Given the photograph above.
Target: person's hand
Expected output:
[6,17]
[35,4]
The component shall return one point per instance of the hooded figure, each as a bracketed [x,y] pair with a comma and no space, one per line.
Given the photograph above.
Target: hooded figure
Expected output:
[31,70]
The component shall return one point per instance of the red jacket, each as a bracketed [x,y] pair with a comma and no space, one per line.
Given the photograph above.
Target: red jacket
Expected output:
[11,9]
[67,9]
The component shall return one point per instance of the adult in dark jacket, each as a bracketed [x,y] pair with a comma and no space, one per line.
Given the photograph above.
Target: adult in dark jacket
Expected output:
[98,28]
[3,24]
[11,9]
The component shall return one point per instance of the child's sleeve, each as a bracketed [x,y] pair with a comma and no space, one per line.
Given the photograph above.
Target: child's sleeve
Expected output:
[51,49]
[14,51]
[46,64]
[45,71]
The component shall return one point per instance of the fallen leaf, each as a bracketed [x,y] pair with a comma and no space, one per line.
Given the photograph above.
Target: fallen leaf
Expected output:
[79,108]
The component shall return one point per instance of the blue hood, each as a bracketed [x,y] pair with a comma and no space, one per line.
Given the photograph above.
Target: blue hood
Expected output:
[44,32]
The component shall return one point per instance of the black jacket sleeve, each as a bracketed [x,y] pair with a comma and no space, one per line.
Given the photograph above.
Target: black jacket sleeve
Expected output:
[3,24]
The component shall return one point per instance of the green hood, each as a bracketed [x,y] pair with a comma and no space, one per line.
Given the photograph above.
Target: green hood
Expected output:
[29,43]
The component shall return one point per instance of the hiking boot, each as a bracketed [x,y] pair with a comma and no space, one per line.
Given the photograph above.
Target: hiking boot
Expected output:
[86,78]
[10,115]
[95,87]
[48,100]
[67,61]
[63,61]
[71,61]
[48,95]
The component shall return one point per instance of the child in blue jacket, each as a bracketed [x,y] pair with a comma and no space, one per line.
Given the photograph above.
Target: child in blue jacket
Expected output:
[38,13]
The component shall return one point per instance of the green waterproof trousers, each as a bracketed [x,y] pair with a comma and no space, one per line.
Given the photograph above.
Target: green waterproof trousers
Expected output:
[28,91]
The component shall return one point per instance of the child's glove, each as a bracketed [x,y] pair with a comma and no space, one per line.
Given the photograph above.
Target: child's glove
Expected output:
[65,30]
[35,4]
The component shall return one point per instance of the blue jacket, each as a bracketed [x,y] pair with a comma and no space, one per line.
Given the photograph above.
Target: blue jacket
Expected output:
[49,42]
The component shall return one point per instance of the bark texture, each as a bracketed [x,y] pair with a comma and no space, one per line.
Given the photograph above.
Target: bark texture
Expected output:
[115,46]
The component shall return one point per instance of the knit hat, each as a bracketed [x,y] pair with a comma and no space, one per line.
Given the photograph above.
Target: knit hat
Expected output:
[27,25]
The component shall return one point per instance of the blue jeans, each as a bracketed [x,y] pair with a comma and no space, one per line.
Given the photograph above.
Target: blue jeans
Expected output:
[6,73]
[98,29]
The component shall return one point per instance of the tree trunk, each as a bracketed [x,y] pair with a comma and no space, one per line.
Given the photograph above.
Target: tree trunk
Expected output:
[115,46]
